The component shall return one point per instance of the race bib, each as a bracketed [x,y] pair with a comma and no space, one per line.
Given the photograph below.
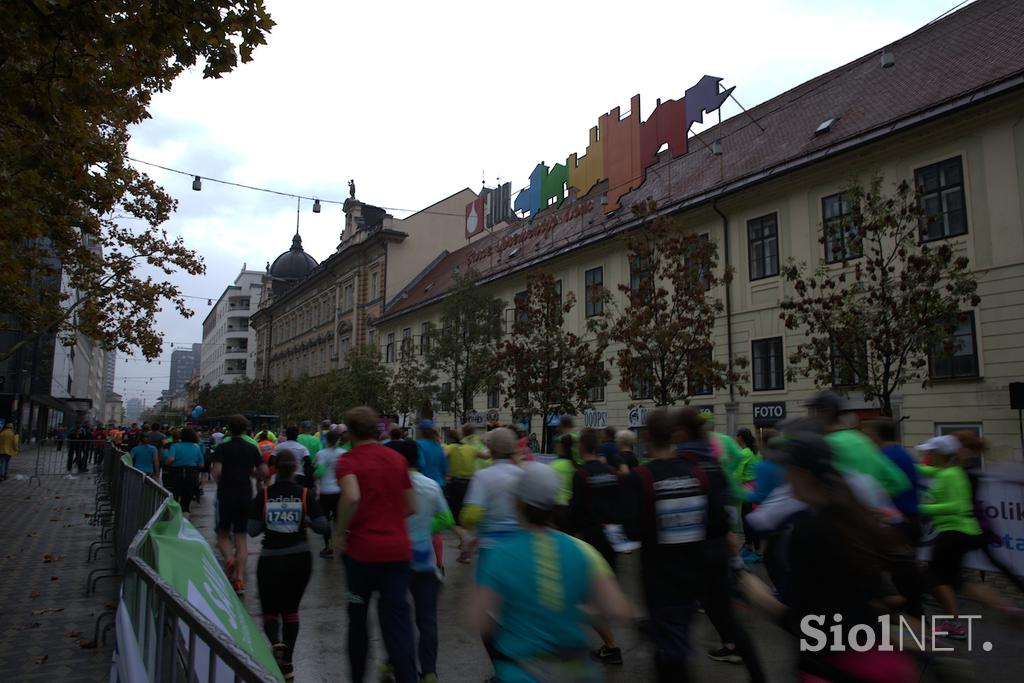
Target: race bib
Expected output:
[284,515]
[681,519]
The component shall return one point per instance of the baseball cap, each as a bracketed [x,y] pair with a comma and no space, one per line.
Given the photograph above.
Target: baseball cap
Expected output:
[502,441]
[538,486]
[425,424]
[946,444]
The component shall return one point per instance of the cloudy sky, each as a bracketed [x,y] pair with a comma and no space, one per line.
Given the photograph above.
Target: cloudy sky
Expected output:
[418,100]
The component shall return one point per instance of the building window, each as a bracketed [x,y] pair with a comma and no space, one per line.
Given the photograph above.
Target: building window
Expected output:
[842,238]
[373,286]
[944,428]
[346,343]
[957,356]
[595,394]
[389,352]
[849,369]
[445,396]
[698,384]
[424,338]
[371,340]
[593,288]
[348,298]
[763,246]
[493,396]
[941,196]
[641,273]
[522,314]
[643,388]
[407,342]
[768,369]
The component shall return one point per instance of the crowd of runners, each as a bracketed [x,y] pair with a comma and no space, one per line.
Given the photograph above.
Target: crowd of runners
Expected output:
[834,510]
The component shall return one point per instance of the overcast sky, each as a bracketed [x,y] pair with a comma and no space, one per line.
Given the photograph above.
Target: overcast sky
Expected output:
[416,101]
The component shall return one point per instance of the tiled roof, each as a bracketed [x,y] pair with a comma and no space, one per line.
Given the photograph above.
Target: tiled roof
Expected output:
[975,48]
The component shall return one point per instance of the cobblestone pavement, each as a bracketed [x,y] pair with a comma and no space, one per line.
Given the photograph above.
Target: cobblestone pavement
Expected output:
[320,652]
[46,618]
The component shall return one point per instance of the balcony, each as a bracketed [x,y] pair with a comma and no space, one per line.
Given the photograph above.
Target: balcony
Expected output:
[236,303]
[236,324]
[236,346]
[235,367]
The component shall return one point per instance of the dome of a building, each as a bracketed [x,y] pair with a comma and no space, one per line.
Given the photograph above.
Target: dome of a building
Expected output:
[293,265]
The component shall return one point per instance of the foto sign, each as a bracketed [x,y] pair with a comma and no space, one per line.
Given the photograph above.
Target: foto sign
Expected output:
[595,419]
[476,419]
[767,414]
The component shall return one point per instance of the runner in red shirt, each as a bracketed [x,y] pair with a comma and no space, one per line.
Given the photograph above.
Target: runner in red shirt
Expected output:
[376,497]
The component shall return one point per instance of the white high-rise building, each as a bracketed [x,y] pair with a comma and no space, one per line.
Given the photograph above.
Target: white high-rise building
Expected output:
[229,343]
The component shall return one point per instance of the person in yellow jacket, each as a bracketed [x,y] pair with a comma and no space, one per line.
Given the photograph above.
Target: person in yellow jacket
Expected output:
[8,448]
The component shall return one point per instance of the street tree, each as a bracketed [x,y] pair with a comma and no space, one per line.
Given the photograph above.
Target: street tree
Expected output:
[84,248]
[872,319]
[364,381]
[547,369]
[413,384]
[462,352]
[665,330]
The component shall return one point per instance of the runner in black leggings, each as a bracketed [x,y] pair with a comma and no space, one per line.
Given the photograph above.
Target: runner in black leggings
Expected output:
[282,512]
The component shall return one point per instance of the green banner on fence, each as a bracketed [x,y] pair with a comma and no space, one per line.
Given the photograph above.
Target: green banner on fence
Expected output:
[184,559]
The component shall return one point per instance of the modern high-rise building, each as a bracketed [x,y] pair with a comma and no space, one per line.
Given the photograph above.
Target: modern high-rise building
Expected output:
[133,410]
[184,362]
[229,343]
[109,370]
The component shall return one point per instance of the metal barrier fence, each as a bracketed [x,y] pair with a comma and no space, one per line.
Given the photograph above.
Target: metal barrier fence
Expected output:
[173,641]
[72,456]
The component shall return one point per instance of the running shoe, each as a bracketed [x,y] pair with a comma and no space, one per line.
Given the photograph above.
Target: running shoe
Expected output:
[279,651]
[749,556]
[428,678]
[387,673]
[952,628]
[287,671]
[464,558]
[239,586]
[607,655]
[725,654]
[327,553]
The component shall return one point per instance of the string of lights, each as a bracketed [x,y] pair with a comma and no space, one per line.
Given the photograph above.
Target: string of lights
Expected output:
[198,178]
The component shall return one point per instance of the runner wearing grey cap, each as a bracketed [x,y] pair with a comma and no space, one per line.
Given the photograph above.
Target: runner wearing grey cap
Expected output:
[534,588]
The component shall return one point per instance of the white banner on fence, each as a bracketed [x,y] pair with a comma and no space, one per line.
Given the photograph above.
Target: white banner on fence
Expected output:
[1003,504]
[127,664]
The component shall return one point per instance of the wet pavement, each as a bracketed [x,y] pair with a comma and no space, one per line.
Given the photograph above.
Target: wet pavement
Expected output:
[321,657]
[46,618]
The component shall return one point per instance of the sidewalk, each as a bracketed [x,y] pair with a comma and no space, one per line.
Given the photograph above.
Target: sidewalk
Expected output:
[45,615]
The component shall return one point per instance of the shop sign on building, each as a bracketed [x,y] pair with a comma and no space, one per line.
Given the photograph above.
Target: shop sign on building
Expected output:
[767,414]
[638,415]
[595,419]
[476,419]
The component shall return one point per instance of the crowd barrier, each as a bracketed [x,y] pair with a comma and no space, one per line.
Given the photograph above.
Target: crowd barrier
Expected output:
[178,618]
[72,456]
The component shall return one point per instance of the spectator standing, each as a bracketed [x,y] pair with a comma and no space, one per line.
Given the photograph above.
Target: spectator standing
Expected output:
[8,448]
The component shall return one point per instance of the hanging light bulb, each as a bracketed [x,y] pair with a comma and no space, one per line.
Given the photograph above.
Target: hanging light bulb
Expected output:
[197,184]
[316,206]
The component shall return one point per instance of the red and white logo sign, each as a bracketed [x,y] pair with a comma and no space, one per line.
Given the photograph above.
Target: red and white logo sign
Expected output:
[474,217]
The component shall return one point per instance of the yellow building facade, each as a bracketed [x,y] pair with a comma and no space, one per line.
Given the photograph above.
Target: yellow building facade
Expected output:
[763,192]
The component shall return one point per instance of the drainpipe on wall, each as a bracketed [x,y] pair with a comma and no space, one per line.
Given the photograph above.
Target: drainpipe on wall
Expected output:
[730,407]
